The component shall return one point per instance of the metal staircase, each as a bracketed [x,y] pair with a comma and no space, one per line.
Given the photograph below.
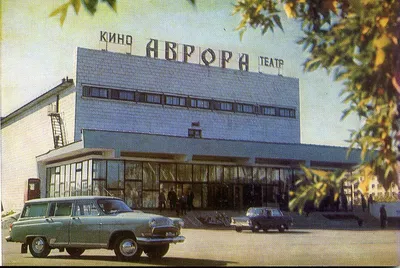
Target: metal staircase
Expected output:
[57,127]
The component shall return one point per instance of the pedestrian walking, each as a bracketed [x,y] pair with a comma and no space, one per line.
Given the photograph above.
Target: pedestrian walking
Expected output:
[172,198]
[363,203]
[161,200]
[383,216]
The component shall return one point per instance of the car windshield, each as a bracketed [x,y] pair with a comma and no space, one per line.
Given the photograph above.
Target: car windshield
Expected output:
[110,206]
[254,212]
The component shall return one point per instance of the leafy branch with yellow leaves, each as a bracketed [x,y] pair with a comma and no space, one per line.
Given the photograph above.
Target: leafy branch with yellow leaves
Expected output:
[358,42]
[90,5]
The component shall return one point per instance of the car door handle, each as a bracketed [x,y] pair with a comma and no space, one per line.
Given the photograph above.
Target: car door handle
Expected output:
[49,220]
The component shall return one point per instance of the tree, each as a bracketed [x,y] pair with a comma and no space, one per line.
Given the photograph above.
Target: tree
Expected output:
[90,5]
[357,40]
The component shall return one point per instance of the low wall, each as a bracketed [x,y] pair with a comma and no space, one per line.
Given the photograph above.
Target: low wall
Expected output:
[392,209]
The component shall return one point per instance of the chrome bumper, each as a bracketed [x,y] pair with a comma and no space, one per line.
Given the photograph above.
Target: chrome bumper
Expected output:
[8,238]
[157,241]
[241,224]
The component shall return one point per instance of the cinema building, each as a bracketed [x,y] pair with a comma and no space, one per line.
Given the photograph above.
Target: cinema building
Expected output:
[132,126]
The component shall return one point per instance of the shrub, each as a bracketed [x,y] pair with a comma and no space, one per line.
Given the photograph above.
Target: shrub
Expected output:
[7,213]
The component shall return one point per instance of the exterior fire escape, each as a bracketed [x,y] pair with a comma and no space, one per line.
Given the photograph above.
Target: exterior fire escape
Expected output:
[57,126]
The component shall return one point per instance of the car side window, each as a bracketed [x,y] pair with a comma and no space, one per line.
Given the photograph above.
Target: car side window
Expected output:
[86,208]
[61,209]
[34,210]
[276,212]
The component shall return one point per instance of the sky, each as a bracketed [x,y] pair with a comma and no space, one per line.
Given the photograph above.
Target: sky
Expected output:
[37,52]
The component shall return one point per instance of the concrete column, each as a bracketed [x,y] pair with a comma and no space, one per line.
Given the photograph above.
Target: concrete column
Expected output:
[41,172]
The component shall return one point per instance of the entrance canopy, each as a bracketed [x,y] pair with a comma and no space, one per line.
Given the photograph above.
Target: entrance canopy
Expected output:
[128,144]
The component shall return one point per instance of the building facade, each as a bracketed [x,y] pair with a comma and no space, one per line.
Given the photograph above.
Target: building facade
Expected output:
[133,126]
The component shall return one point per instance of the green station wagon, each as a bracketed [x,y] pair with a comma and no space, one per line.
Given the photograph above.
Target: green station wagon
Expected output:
[78,223]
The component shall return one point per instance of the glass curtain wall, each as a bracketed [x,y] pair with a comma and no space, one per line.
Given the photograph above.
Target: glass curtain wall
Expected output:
[70,180]
[139,183]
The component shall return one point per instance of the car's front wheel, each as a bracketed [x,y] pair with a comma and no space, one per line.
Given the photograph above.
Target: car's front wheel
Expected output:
[127,249]
[75,252]
[238,229]
[157,252]
[39,247]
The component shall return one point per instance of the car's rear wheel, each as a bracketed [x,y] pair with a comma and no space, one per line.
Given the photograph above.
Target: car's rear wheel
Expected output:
[281,228]
[157,252]
[39,248]
[238,229]
[75,252]
[256,228]
[127,249]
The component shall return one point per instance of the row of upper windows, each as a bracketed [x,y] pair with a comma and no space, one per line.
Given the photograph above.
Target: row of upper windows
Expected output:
[167,99]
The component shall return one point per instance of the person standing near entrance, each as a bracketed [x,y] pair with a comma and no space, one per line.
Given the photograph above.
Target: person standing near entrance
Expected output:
[363,203]
[161,200]
[183,203]
[370,201]
[190,197]
[172,198]
[343,200]
[383,216]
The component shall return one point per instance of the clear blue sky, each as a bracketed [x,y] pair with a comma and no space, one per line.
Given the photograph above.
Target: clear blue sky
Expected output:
[36,52]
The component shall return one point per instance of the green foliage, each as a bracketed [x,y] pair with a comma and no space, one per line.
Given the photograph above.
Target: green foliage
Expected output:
[358,42]
[259,13]
[314,186]
[90,5]
[5,214]
[387,198]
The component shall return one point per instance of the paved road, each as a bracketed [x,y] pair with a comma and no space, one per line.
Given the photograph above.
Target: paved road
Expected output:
[229,248]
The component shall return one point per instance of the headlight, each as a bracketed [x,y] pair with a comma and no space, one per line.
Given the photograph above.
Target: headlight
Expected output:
[152,223]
